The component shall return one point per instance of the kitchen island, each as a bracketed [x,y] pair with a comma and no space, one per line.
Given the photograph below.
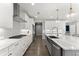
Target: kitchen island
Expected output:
[63,46]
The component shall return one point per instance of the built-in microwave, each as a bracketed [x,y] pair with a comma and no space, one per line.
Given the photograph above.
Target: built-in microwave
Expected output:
[67,28]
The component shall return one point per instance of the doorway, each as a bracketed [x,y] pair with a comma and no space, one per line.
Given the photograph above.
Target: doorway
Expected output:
[38,29]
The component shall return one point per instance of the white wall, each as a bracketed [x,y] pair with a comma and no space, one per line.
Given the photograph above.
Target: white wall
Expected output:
[6,15]
[7,32]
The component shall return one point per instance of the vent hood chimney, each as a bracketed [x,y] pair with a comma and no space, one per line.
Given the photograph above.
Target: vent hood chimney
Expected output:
[16,16]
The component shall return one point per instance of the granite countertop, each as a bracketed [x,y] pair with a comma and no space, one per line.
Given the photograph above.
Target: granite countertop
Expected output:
[17,36]
[7,42]
[67,42]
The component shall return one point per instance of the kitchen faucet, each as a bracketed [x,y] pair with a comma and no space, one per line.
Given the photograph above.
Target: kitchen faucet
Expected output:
[56,30]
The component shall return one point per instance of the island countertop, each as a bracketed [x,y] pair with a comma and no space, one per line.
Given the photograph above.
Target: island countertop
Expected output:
[67,42]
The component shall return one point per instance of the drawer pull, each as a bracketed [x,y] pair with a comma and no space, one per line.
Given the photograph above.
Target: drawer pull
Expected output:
[10,54]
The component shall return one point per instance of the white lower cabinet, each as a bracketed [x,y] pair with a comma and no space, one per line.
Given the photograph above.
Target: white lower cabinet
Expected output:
[18,48]
[22,47]
[77,52]
[30,39]
[14,49]
[24,44]
[57,50]
[69,53]
[4,52]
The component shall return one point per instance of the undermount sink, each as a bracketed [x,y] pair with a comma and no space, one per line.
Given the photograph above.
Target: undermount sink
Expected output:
[53,37]
[17,36]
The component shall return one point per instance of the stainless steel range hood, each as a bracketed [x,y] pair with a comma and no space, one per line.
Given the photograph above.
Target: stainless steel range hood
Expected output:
[18,19]
[17,14]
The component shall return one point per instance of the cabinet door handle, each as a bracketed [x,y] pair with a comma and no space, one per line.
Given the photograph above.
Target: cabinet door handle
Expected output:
[10,54]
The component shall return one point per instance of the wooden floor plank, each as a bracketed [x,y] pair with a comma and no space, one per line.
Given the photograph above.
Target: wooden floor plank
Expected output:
[37,48]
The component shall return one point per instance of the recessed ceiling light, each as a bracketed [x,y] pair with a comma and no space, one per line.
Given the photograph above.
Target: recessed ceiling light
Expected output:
[35,16]
[33,4]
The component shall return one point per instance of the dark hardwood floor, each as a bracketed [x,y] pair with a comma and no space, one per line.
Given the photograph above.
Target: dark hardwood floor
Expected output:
[37,48]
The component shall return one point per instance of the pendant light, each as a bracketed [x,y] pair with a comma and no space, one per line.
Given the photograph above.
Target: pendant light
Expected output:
[71,12]
[33,4]
[57,10]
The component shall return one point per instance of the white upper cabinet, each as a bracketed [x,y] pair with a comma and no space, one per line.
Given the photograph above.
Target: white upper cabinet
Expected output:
[6,15]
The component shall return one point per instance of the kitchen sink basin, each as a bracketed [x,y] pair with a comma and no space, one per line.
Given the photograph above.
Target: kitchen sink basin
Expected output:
[17,36]
[53,37]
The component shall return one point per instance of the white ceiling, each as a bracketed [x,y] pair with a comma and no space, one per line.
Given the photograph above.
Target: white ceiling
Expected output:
[48,10]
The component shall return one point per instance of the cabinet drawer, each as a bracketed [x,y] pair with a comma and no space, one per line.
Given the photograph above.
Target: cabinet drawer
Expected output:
[77,52]
[4,51]
[11,47]
[69,53]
